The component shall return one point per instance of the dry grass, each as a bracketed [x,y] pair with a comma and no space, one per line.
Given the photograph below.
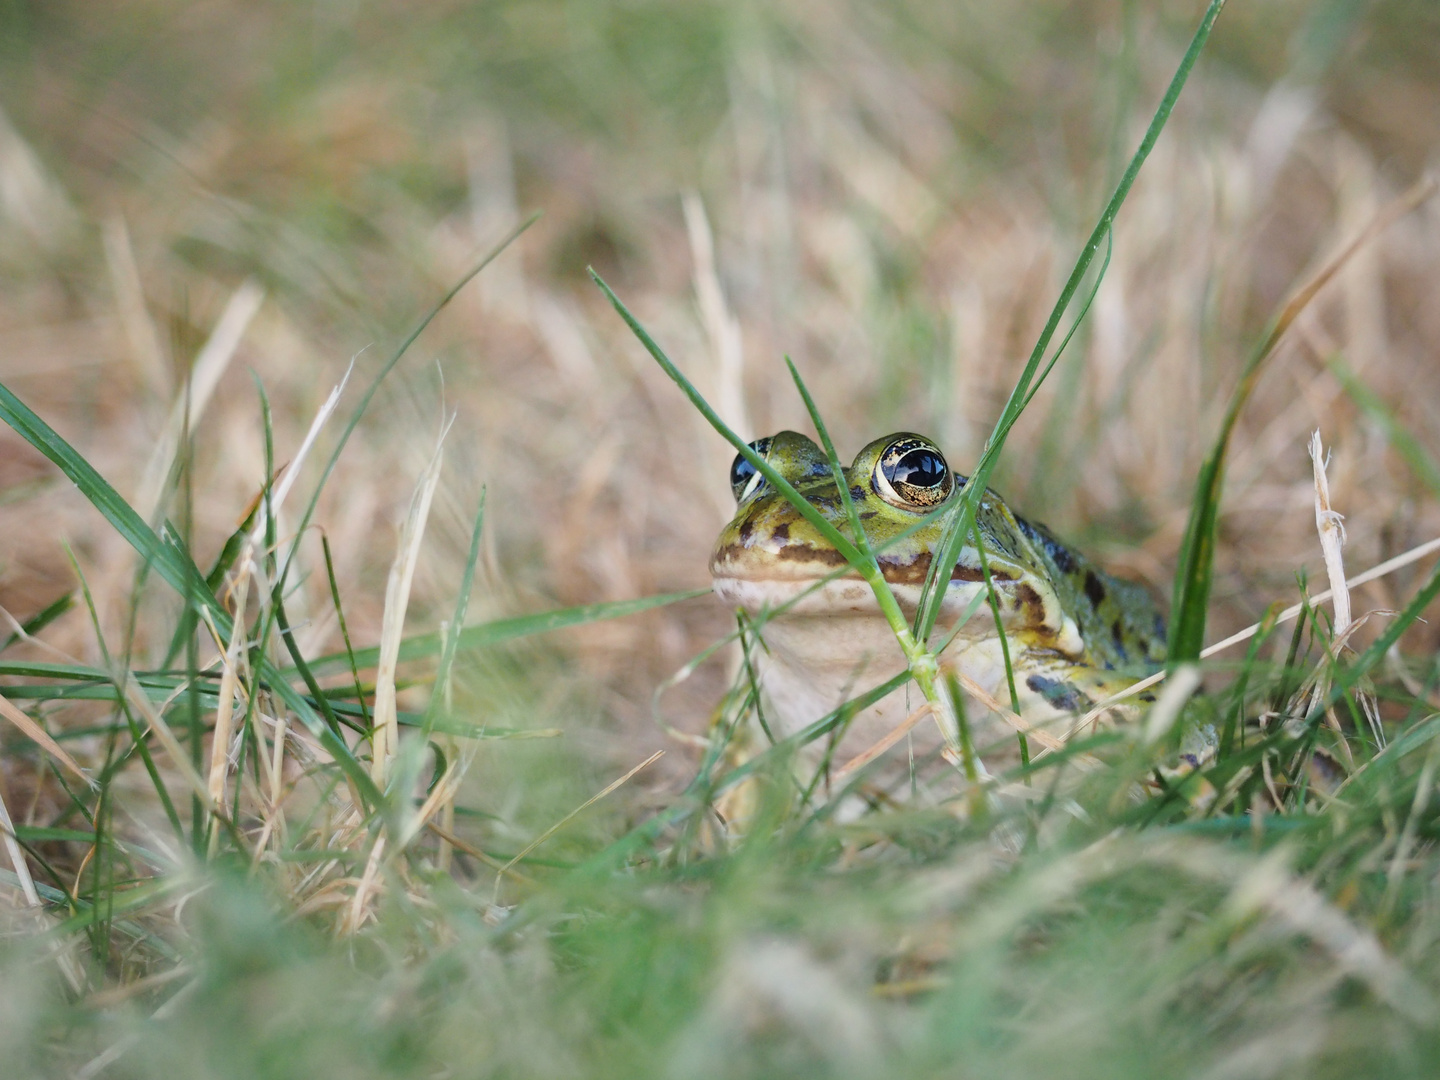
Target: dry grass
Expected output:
[891,197]
[904,278]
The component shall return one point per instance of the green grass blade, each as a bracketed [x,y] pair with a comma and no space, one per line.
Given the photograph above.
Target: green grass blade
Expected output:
[884,595]
[344,627]
[163,554]
[1195,572]
[292,647]
[1076,322]
[837,470]
[498,631]
[137,737]
[36,623]
[966,506]
[994,600]
[452,637]
[1350,674]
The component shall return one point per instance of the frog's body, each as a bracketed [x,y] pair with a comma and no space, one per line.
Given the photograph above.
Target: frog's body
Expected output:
[1075,634]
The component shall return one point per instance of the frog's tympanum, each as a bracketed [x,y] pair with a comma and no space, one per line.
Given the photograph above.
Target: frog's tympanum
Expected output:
[1075,634]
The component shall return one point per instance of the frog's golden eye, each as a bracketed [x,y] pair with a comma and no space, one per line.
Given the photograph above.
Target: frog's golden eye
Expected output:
[912,474]
[745,479]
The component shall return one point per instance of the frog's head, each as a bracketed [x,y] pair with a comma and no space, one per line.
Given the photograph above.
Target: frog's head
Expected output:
[1073,634]
[770,554]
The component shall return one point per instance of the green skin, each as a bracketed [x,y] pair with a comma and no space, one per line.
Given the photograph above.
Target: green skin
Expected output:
[1075,634]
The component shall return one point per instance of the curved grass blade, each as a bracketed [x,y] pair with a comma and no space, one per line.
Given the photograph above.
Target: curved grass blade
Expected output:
[502,630]
[36,623]
[994,600]
[884,595]
[802,505]
[837,470]
[966,506]
[457,621]
[1194,573]
[344,628]
[389,366]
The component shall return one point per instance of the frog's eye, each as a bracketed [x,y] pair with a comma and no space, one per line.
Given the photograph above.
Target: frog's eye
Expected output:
[745,479]
[912,474]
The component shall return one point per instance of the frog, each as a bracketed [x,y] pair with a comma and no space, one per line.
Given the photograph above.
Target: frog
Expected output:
[1075,635]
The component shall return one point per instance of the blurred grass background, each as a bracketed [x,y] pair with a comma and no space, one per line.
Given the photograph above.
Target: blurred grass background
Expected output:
[891,194]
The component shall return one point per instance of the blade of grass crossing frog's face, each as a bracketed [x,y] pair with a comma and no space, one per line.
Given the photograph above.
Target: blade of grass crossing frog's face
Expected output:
[1076,634]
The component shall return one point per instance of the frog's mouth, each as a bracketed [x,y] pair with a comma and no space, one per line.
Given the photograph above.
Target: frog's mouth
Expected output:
[796,595]
[804,581]
[790,591]
[798,578]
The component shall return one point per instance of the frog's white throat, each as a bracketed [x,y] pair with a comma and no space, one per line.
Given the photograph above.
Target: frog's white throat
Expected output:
[831,643]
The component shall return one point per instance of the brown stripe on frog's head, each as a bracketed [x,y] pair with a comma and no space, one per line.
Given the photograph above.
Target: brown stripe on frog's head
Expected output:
[769,537]
[909,568]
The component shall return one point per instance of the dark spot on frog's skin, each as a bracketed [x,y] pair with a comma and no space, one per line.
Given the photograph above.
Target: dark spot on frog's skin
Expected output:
[1061,556]
[747,532]
[1094,588]
[1059,694]
[866,515]
[1026,597]
[781,532]
[1117,634]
